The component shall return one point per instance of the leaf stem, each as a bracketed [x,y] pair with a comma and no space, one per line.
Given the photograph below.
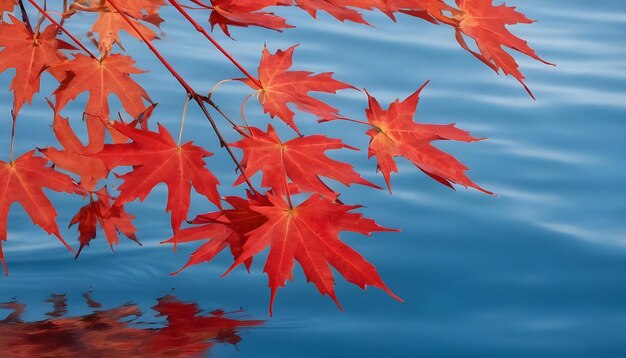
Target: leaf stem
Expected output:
[69,34]
[201,30]
[12,152]
[25,16]
[219,110]
[217,85]
[348,120]
[243,111]
[182,120]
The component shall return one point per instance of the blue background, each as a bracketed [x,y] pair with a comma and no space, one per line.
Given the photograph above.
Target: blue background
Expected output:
[538,271]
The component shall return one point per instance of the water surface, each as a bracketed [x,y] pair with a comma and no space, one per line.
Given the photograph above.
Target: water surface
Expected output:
[536,271]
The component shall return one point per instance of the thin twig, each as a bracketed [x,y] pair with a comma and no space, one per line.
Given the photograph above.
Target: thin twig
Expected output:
[25,18]
[69,34]
[190,91]
[201,30]
[346,119]
[219,110]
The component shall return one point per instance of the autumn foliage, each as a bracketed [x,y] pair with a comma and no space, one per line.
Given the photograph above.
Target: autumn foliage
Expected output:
[287,202]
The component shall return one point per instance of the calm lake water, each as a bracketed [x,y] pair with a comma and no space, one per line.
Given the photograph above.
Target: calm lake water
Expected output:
[538,271]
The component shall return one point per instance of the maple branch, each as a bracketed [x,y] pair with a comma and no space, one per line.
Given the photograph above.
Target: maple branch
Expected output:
[219,110]
[223,143]
[69,34]
[190,91]
[156,52]
[25,18]
[201,30]
[12,152]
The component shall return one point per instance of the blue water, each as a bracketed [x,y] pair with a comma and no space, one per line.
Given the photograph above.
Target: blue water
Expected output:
[537,271]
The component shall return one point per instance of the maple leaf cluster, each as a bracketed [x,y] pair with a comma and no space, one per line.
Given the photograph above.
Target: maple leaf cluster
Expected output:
[293,210]
[479,20]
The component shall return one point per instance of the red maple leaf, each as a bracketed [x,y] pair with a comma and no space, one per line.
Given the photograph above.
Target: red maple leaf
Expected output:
[221,229]
[112,220]
[244,13]
[22,181]
[302,160]
[279,86]
[30,54]
[157,158]
[309,234]
[486,24]
[394,134]
[74,156]
[100,78]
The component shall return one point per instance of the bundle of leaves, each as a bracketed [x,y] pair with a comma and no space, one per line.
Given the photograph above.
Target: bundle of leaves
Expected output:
[293,210]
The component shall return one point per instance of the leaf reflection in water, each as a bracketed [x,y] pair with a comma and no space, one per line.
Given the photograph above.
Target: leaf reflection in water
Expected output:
[186,331]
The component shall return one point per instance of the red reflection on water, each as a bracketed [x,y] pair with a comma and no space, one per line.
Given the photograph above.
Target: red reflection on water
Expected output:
[186,332]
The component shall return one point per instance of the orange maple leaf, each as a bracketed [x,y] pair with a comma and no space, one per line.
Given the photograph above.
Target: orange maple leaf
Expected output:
[394,134]
[221,229]
[486,24]
[100,78]
[30,54]
[279,86]
[309,234]
[156,158]
[73,157]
